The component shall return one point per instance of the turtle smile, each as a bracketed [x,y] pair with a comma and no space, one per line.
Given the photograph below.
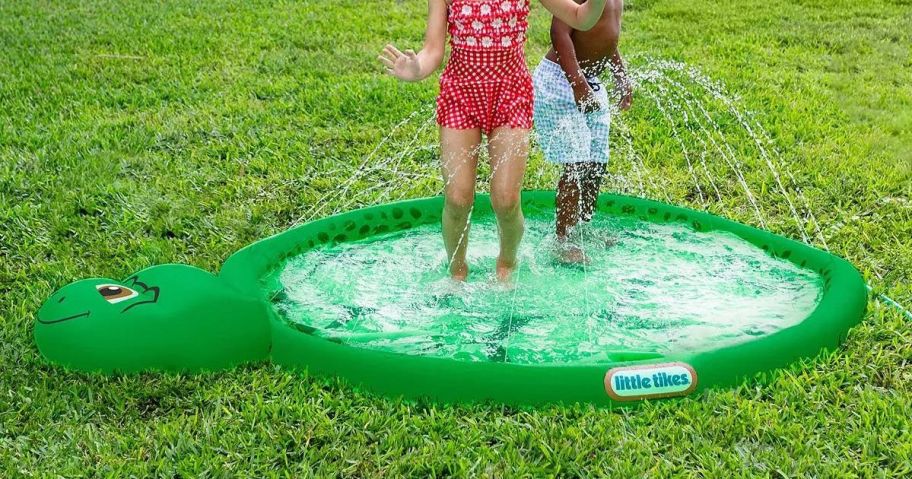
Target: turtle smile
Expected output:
[55,321]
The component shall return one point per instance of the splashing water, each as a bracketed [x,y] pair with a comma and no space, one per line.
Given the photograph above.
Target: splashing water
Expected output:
[731,163]
[649,290]
[728,156]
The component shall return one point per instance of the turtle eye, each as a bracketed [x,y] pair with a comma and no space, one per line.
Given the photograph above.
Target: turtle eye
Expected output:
[115,293]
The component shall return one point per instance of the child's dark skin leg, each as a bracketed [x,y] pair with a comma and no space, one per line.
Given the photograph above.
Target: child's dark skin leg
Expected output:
[592,181]
[577,192]
[569,191]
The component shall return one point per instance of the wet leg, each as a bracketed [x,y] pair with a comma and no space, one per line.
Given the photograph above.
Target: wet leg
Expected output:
[459,162]
[508,149]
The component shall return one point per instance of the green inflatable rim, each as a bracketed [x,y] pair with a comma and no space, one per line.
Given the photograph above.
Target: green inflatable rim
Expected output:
[392,374]
[182,319]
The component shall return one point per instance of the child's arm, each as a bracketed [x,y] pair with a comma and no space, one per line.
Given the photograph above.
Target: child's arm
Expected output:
[411,66]
[566,56]
[579,17]
[621,83]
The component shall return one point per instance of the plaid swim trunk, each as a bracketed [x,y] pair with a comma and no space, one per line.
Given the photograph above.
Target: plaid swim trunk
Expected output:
[567,135]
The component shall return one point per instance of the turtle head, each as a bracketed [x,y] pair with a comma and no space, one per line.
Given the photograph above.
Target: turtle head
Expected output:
[98,302]
[170,317]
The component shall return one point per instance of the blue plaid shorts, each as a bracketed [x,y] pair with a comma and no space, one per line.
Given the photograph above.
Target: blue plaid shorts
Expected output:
[567,135]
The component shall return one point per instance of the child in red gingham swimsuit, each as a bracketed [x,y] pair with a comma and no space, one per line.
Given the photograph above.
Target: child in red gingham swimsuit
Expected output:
[485,89]
[486,83]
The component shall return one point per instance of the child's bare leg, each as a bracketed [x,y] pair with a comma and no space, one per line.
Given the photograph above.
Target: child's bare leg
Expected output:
[577,192]
[509,150]
[568,200]
[459,161]
[592,174]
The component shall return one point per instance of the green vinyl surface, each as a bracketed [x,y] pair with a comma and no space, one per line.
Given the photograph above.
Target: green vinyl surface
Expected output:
[180,318]
[840,306]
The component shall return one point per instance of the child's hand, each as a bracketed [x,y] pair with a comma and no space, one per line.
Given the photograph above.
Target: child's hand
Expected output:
[585,98]
[404,66]
[624,93]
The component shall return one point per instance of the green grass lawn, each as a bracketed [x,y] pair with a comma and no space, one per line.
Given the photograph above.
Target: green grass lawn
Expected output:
[138,133]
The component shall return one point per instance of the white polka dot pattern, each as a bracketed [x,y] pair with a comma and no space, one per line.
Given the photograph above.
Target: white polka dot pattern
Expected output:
[472,21]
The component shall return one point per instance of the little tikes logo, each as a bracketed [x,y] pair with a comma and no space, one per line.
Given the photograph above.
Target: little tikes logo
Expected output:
[650,381]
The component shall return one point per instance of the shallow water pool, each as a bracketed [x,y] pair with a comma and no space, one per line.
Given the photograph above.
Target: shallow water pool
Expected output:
[649,290]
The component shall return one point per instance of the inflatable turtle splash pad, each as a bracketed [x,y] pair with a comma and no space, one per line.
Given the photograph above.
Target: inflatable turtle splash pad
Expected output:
[672,301]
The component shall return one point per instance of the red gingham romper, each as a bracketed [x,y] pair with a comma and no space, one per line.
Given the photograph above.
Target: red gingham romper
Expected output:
[486,83]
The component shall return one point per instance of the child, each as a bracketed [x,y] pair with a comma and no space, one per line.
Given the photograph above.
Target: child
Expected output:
[485,89]
[572,115]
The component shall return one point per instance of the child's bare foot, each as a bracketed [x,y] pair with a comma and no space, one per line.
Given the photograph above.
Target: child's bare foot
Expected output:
[459,271]
[573,255]
[505,269]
